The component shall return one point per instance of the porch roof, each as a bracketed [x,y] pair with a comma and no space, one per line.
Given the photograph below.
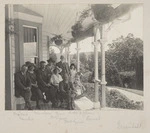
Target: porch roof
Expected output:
[74,22]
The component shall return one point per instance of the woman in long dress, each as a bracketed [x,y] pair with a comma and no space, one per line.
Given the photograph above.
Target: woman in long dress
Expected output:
[36,92]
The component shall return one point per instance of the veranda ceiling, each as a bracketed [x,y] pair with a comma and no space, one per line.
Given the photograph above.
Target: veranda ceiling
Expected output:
[58,19]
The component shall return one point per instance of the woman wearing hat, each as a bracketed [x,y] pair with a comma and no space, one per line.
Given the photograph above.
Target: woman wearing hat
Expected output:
[55,80]
[56,77]
[36,92]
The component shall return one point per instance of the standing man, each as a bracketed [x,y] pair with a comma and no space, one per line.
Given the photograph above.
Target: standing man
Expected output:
[23,86]
[64,66]
[50,67]
[65,73]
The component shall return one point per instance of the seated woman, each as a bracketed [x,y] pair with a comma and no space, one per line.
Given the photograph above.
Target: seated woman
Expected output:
[72,72]
[36,92]
[56,77]
[55,80]
[79,88]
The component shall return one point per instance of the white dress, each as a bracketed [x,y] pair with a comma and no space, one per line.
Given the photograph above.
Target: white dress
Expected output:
[56,79]
[73,74]
[79,88]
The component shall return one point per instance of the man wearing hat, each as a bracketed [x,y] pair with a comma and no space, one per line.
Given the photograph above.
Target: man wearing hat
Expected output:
[50,67]
[23,86]
[42,79]
[64,66]
[44,84]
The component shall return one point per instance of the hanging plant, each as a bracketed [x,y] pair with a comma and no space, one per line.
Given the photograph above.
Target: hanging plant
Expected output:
[104,13]
[78,30]
[57,39]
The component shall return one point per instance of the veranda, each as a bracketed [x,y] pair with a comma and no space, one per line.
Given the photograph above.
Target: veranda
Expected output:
[32,29]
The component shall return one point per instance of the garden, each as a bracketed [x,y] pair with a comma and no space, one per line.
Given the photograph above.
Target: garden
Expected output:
[114,99]
[124,68]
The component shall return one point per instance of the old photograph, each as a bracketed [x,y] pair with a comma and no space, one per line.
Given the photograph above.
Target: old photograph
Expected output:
[74,57]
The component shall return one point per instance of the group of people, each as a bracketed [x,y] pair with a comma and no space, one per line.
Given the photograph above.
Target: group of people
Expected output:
[54,82]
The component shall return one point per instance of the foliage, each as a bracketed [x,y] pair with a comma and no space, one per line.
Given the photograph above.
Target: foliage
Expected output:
[104,13]
[114,98]
[57,39]
[123,52]
[121,58]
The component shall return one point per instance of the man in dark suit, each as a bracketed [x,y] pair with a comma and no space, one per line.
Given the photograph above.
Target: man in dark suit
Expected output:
[23,86]
[44,84]
[64,66]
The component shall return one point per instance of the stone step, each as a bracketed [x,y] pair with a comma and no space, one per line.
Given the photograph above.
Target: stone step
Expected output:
[83,103]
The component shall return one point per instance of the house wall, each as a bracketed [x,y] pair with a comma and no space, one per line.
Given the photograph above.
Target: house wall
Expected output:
[14,56]
[45,47]
[9,60]
[19,41]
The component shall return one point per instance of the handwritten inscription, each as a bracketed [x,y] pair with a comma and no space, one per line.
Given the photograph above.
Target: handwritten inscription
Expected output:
[126,125]
[23,116]
[69,117]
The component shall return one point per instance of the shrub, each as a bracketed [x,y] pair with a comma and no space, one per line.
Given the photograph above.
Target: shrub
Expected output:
[114,98]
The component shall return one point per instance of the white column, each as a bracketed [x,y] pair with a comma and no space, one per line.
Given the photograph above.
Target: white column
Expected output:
[61,51]
[66,54]
[96,80]
[103,79]
[78,57]
[69,55]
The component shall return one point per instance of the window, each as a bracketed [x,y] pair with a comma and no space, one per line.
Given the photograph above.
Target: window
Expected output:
[30,34]
[30,44]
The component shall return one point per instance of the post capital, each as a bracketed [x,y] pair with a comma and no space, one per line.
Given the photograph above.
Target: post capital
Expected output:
[97,80]
[78,49]
[69,52]
[103,83]
[102,41]
[95,43]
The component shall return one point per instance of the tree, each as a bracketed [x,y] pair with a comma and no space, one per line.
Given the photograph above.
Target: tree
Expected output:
[123,53]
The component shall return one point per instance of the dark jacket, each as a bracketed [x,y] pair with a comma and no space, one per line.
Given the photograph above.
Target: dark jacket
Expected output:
[32,77]
[42,79]
[21,82]
[65,68]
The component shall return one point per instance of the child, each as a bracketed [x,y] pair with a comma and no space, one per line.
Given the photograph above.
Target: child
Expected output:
[79,88]
[72,72]
[67,92]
